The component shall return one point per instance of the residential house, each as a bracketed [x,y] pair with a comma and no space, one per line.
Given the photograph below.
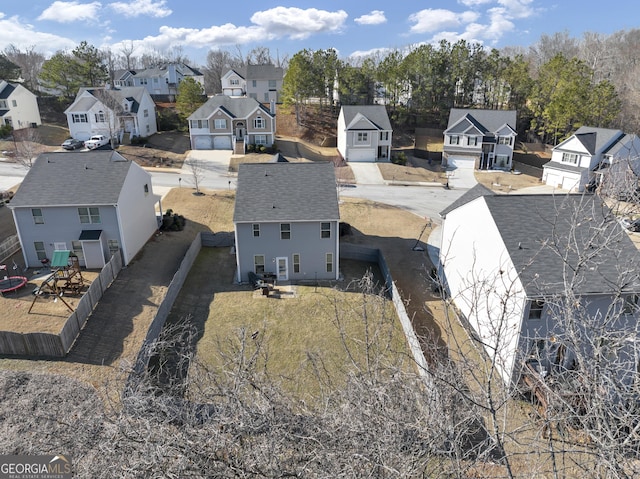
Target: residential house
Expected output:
[588,154]
[120,113]
[364,133]
[286,221]
[225,123]
[18,106]
[260,82]
[511,263]
[160,81]
[480,139]
[94,204]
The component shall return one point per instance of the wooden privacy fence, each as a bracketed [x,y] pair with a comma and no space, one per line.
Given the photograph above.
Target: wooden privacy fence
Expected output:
[58,345]
[9,247]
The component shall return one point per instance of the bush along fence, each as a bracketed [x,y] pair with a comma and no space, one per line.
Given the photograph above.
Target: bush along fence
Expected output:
[58,345]
[374,255]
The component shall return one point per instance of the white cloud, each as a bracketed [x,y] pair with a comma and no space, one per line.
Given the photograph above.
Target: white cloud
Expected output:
[69,12]
[298,24]
[433,20]
[474,3]
[376,17]
[136,8]
[517,8]
[14,32]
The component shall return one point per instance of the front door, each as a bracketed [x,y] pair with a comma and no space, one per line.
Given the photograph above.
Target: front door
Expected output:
[283,268]
[240,131]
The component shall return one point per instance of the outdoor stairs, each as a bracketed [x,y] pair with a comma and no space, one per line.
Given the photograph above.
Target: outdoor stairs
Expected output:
[238,148]
[126,138]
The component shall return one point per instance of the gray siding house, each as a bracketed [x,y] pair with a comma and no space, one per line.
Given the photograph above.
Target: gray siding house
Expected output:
[364,133]
[287,221]
[93,204]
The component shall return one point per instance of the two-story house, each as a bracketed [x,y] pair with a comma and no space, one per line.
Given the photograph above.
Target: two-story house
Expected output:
[523,269]
[261,82]
[160,81]
[18,106]
[479,139]
[286,221]
[225,123]
[94,204]
[114,112]
[586,155]
[364,133]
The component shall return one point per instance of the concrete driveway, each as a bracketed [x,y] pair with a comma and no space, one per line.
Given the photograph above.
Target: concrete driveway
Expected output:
[462,178]
[366,173]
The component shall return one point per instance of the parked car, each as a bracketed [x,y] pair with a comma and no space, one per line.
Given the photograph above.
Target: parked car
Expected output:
[72,144]
[631,225]
[96,141]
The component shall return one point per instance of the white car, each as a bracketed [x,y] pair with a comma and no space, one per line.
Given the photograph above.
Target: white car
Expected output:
[96,141]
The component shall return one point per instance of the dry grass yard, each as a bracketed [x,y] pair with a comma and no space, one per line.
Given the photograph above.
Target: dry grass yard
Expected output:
[505,181]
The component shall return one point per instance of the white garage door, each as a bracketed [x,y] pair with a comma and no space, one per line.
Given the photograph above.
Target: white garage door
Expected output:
[461,162]
[553,180]
[570,183]
[221,142]
[362,154]
[202,143]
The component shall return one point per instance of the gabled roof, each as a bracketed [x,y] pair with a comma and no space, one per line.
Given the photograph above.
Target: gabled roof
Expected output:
[485,120]
[376,114]
[236,71]
[476,192]
[263,72]
[83,103]
[286,192]
[236,107]
[593,139]
[552,237]
[83,179]
[7,91]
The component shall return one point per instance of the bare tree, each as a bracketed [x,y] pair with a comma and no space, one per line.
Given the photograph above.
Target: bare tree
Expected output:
[28,146]
[127,50]
[30,63]
[196,169]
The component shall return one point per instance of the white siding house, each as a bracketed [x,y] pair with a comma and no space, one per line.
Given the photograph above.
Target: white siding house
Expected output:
[509,260]
[18,106]
[364,133]
[94,204]
[114,113]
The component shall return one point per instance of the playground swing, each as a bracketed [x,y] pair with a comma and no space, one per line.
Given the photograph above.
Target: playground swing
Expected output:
[65,278]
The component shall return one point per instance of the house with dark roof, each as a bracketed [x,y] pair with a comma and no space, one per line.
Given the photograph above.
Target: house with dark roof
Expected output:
[94,204]
[364,133]
[225,123]
[286,221]
[260,82]
[587,155]
[160,81]
[121,113]
[480,139]
[518,266]
[18,106]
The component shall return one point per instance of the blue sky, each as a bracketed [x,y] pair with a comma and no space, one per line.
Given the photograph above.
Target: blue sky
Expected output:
[352,27]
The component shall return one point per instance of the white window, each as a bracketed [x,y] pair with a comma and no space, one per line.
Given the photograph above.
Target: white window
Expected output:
[266,96]
[325,230]
[570,158]
[285,231]
[472,140]
[114,246]
[200,123]
[384,136]
[38,218]
[256,230]
[14,103]
[89,215]
[261,139]
[3,104]
[41,253]
[259,123]
[296,262]
[258,263]
[126,107]
[272,84]
[535,309]
[254,83]
[454,140]
[59,246]
[220,124]
[146,113]
[100,117]
[79,118]
[362,137]
[329,262]
[234,81]
[631,304]
[504,140]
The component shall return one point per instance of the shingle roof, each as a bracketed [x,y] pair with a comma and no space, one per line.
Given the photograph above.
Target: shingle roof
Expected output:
[491,120]
[263,72]
[476,192]
[377,114]
[595,139]
[286,192]
[556,165]
[550,238]
[237,107]
[92,178]
[6,91]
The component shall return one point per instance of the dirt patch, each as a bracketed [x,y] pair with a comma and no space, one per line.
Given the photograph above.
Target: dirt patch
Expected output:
[164,149]
[505,181]
[416,170]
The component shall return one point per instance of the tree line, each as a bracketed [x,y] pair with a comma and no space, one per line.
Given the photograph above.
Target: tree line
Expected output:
[556,85]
